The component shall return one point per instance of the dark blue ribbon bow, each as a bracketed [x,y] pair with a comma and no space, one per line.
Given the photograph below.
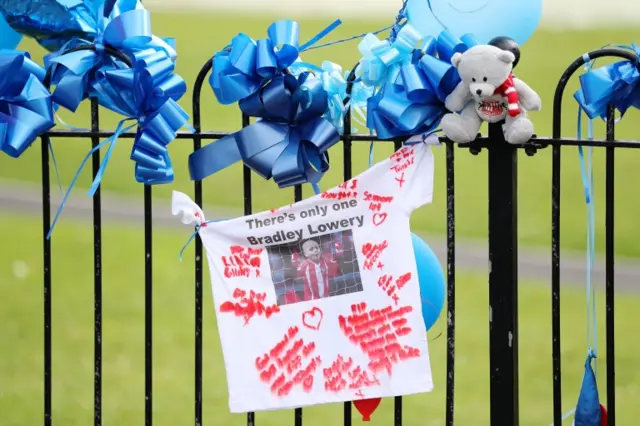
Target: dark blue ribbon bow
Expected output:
[289,143]
[25,104]
[416,81]
[616,84]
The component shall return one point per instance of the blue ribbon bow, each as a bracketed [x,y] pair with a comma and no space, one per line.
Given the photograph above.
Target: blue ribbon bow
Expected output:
[242,68]
[616,84]
[26,111]
[415,75]
[126,28]
[289,143]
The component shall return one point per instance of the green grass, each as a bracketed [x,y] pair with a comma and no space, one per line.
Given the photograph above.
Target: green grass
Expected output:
[21,337]
[545,57]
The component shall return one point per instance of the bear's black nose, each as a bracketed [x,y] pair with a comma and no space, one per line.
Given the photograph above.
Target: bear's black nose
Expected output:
[479,91]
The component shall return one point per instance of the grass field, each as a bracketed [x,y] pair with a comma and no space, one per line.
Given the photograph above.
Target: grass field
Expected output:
[545,57]
[21,390]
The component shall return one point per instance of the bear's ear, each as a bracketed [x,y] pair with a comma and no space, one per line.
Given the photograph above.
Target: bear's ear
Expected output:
[455,59]
[506,57]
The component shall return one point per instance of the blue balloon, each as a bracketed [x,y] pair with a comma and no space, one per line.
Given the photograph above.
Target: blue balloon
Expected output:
[9,39]
[485,19]
[431,280]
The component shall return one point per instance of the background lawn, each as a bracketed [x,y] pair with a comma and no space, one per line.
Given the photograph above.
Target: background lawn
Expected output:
[199,36]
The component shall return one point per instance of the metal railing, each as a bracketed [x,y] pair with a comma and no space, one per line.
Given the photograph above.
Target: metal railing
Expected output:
[503,258]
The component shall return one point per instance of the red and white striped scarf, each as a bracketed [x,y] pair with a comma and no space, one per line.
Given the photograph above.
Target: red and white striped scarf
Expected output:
[508,90]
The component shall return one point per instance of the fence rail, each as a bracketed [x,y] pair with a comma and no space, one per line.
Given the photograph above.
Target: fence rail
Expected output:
[503,258]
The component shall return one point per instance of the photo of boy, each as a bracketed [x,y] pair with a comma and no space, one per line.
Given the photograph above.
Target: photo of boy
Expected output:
[316,269]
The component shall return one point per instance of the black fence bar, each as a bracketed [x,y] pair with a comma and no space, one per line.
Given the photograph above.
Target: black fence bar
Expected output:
[555,286]
[248,209]
[198,266]
[397,401]
[148,306]
[347,175]
[451,285]
[609,268]
[503,278]
[97,272]
[297,413]
[46,275]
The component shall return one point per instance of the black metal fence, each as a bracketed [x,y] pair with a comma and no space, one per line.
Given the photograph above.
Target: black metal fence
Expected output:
[503,258]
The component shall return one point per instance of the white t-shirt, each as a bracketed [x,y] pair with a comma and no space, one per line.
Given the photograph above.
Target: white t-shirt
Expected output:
[318,301]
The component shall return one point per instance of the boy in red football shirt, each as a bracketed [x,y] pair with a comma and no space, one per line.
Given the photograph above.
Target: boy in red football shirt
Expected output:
[316,270]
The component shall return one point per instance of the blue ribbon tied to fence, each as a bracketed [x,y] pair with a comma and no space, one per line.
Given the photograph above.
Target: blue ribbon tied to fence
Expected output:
[126,28]
[26,110]
[242,68]
[415,76]
[616,84]
[290,141]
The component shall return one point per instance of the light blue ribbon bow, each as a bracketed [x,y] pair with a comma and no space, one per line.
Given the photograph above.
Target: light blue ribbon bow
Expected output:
[25,104]
[334,82]
[242,68]
[414,83]
[288,144]
[616,84]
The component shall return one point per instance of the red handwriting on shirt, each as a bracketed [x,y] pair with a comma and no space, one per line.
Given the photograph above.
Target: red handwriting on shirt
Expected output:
[249,305]
[376,332]
[342,374]
[376,201]
[372,253]
[345,190]
[242,261]
[288,364]
[401,161]
[386,283]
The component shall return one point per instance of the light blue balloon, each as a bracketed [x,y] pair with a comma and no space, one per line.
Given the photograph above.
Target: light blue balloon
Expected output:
[431,280]
[9,39]
[485,19]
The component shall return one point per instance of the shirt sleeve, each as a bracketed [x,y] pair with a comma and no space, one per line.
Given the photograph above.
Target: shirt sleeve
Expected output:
[412,168]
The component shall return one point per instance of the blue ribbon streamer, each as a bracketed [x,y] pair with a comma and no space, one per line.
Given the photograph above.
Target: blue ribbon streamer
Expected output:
[415,76]
[288,144]
[588,407]
[26,110]
[616,84]
[147,93]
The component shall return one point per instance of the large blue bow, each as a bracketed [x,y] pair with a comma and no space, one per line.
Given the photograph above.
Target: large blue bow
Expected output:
[616,84]
[289,143]
[147,93]
[416,76]
[126,28]
[242,68]
[25,104]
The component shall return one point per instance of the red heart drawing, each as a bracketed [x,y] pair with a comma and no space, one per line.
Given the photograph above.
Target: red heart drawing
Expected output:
[312,318]
[378,218]
[307,384]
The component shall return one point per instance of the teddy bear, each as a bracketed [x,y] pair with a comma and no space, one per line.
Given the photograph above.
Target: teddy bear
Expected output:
[489,92]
